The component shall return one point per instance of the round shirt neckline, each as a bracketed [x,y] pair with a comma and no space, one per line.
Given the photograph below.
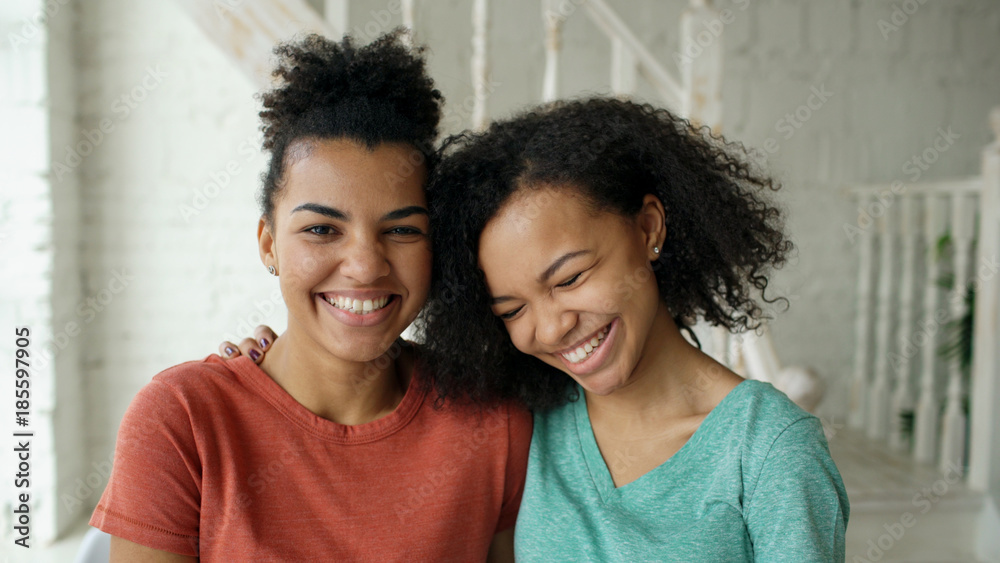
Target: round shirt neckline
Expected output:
[258,380]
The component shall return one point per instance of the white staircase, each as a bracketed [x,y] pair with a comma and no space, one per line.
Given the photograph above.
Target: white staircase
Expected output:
[909,502]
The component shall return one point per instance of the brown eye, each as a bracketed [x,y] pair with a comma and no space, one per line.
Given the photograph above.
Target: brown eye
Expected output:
[321,230]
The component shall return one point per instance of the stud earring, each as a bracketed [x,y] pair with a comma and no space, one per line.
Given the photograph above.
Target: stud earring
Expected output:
[656,250]
[272,271]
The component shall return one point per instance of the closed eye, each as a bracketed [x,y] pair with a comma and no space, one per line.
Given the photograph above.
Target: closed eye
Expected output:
[510,314]
[570,281]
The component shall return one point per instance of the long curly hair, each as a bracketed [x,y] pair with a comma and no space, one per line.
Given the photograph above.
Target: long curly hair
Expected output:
[723,234]
[372,94]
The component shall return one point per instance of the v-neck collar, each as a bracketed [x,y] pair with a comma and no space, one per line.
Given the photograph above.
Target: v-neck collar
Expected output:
[599,471]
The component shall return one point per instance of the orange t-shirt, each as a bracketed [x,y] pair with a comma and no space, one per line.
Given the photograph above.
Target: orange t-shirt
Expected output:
[215,460]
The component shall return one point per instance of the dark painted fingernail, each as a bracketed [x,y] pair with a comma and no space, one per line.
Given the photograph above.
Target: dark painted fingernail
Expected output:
[254,355]
[229,351]
[263,343]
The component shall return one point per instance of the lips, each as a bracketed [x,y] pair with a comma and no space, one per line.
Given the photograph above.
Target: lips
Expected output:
[597,357]
[359,308]
[588,347]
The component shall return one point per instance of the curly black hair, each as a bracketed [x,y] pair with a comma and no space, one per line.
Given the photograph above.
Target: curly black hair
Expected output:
[372,94]
[723,234]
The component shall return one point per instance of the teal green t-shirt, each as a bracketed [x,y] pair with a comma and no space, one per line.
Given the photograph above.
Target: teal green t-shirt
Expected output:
[754,483]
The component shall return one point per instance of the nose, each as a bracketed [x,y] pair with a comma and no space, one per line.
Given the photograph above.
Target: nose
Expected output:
[364,261]
[552,323]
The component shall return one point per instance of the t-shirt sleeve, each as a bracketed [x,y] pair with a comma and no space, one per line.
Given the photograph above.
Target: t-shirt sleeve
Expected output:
[518,441]
[798,510]
[153,497]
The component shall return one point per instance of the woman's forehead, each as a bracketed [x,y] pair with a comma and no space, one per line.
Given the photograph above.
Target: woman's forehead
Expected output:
[538,223]
[349,175]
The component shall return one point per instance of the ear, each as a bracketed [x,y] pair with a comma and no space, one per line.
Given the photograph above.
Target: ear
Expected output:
[652,221]
[265,243]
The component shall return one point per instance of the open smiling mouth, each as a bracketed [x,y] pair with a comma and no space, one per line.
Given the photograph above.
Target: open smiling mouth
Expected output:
[587,349]
[359,306]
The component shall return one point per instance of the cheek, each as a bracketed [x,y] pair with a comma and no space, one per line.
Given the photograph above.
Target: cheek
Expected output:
[635,287]
[412,266]
[300,264]
[603,296]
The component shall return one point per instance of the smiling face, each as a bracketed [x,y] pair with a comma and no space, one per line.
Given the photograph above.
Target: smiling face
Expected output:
[349,239]
[574,285]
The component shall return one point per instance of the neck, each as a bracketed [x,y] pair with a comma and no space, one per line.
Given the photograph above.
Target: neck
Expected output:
[343,391]
[672,379]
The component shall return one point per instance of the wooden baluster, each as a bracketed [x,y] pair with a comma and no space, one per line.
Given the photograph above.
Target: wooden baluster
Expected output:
[553,44]
[902,397]
[407,9]
[953,423]
[701,76]
[862,324]
[623,69]
[480,62]
[879,403]
[984,433]
[928,407]
[336,13]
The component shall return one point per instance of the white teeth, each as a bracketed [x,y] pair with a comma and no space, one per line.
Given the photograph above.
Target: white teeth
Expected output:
[357,306]
[583,352]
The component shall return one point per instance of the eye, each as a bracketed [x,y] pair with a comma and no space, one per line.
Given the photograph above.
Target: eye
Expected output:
[405,231]
[510,314]
[570,281]
[322,230]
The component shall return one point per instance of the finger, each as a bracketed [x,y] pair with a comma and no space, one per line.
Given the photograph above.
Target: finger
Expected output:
[264,336]
[252,349]
[228,350]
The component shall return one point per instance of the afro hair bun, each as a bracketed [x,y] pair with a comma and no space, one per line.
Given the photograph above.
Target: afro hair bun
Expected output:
[374,93]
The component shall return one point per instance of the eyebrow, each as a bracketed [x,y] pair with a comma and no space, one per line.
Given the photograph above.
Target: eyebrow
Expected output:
[405,212]
[551,270]
[335,213]
[548,273]
[330,212]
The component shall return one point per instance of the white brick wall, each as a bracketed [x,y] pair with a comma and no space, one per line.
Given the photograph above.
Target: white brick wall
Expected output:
[39,229]
[194,276]
[196,281]
[890,94]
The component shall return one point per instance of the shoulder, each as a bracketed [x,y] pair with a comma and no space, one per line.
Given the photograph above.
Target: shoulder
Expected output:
[509,415]
[198,374]
[763,413]
[505,419]
[520,423]
[187,387]
[758,425]
[775,432]
[558,427]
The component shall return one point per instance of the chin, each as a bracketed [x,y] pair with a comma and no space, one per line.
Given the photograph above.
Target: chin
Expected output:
[360,349]
[600,388]
[601,384]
